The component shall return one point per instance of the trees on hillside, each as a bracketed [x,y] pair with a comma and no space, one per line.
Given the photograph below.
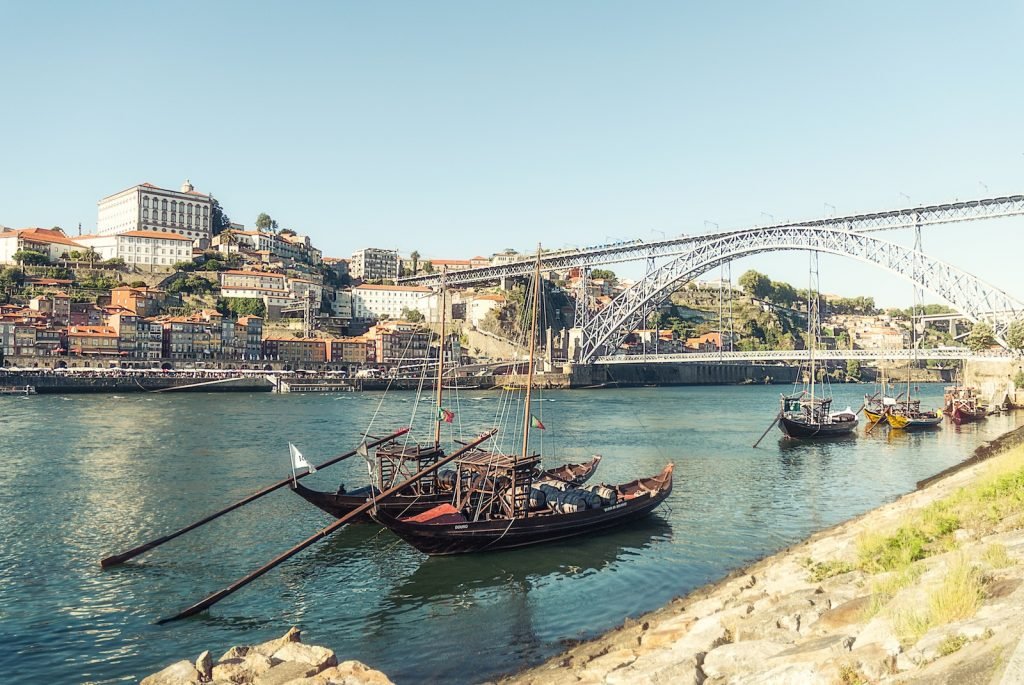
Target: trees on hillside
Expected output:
[981,337]
[1015,335]
[265,223]
[756,284]
[30,257]
[219,221]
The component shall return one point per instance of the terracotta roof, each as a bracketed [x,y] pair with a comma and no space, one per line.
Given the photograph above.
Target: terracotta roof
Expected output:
[46,235]
[400,288]
[156,234]
[265,274]
[49,281]
[280,291]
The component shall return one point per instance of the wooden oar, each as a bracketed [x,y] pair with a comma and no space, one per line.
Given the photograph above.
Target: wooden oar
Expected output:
[221,594]
[772,425]
[116,559]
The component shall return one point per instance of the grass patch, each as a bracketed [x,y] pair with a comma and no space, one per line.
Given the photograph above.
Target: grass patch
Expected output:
[979,508]
[957,597]
[849,675]
[823,570]
[951,644]
[885,588]
[996,557]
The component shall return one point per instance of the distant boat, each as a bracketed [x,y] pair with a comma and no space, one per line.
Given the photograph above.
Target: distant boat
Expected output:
[17,390]
[805,416]
[961,404]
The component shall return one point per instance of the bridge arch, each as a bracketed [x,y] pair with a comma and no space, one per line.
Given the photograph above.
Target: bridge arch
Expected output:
[972,297]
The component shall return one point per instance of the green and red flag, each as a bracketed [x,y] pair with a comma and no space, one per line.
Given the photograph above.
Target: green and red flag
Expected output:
[535,422]
[445,415]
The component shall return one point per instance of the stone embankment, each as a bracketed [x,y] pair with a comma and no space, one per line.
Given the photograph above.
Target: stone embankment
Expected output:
[284,661]
[927,589]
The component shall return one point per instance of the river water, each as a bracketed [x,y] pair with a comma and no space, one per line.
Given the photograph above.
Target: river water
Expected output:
[86,476]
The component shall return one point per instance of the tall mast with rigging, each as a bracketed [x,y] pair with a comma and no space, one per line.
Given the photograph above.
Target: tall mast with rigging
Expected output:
[529,370]
[440,368]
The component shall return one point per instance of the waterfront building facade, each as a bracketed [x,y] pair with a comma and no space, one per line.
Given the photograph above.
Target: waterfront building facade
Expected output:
[372,263]
[310,350]
[148,250]
[372,302]
[146,207]
[399,342]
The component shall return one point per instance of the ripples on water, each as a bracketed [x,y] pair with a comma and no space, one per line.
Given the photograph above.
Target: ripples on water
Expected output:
[98,474]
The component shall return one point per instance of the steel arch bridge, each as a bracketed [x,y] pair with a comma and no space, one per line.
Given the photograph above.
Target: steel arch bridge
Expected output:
[977,300]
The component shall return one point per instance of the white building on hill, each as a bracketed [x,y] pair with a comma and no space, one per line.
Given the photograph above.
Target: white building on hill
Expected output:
[146,207]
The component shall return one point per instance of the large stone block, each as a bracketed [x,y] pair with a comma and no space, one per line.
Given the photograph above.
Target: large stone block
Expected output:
[739,658]
[179,673]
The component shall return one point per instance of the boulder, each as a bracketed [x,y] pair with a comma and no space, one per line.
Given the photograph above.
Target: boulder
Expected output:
[242,669]
[179,673]
[354,673]
[878,631]
[204,664]
[234,653]
[843,615]
[285,672]
[660,669]
[606,663]
[268,648]
[874,661]
[739,658]
[666,632]
[321,657]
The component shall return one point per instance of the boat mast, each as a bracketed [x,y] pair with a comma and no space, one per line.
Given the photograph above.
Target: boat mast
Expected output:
[529,371]
[812,312]
[440,370]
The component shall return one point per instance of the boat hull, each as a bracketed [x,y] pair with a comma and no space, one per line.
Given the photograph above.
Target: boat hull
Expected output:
[874,416]
[964,415]
[410,504]
[439,539]
[800,429]
[916,423]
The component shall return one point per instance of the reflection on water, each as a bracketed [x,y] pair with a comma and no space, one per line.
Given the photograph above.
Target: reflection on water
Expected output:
[86,476]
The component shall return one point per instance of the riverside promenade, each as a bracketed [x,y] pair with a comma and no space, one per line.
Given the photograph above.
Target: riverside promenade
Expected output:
[926,589]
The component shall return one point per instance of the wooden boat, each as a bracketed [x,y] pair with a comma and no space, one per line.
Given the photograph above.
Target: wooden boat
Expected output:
[497,503]
[804,416]
[420,499]
[446,529]
[962,405]
[915,420]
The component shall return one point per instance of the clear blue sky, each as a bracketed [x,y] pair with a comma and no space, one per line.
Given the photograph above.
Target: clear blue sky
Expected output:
[461,128]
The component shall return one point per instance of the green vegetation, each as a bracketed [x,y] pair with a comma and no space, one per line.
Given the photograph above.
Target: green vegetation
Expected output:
[113,263]
[412,315]
[951,644]
[189,284]
[219,221]
[1015,335]
[241,306]
[30,257]
[824,570]
[265,223]
[981,337]
[604,274]
[98,282]
[1018,379]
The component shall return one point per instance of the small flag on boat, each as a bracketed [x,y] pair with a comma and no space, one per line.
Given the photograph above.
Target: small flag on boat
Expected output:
[445,415]
[299,461]
[363,451]
[535,422]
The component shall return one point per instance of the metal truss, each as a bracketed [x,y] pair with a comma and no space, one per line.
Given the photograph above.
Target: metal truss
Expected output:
[636,250]
[800,355]
[974,298]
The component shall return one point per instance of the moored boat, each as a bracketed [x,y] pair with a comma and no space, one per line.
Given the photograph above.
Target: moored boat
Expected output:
[446,529]
[804,416]
[417,499]
[499,502]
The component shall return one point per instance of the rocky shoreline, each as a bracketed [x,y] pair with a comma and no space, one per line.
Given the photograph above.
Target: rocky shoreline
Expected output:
[926,589]
[277,662]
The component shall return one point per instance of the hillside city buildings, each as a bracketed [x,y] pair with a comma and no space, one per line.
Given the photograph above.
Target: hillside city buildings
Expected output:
[294,306]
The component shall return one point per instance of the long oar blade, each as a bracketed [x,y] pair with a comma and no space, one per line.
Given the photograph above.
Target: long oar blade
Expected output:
[116,559]
[319,535]
[770,426]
